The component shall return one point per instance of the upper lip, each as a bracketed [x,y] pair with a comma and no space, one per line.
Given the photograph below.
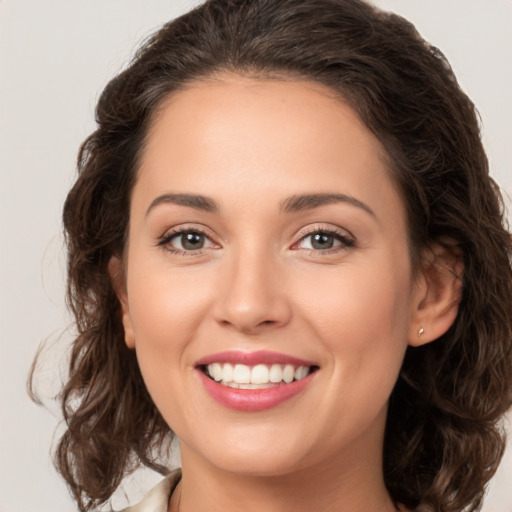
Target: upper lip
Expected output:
[252,358]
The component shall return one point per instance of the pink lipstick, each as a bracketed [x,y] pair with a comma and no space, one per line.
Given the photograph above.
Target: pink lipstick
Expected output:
[254,381]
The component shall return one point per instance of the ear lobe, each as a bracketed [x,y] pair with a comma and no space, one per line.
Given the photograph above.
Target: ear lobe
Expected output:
[438,294]
[117,276]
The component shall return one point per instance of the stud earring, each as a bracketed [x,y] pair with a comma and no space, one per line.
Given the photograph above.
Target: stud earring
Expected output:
[420,332]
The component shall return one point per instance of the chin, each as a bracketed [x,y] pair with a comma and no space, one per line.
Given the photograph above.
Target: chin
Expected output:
[260,465]
[253,453]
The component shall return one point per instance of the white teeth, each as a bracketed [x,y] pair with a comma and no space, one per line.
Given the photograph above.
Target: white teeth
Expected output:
[255,377]
[242,374]
[247,386]
[301,372]
[288,373]
[259,374]
[255,386]
[276,373]
[216,371]
[227,373]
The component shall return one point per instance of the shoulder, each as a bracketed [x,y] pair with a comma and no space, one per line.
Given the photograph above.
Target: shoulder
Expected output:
[157,499]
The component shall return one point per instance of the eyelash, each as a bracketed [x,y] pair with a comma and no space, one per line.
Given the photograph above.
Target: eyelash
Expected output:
[346,241]
[166,239]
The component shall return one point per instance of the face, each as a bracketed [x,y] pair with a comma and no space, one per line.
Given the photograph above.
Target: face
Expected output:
[268,290]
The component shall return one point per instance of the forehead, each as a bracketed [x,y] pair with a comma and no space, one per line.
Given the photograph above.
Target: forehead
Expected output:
[309,110]
[285,136]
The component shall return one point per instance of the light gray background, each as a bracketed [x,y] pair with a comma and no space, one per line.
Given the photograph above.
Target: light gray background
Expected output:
[55,57]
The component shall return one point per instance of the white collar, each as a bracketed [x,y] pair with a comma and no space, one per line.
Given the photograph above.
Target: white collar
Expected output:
[157,499]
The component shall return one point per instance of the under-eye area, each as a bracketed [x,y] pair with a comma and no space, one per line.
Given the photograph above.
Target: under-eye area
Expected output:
[260,376]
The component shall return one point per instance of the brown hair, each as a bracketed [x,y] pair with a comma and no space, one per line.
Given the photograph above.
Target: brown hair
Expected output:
[443,441]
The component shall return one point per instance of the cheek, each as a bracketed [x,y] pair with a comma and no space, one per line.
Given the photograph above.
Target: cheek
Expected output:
[360,319]
[166,312]
[361,315]
[166,307]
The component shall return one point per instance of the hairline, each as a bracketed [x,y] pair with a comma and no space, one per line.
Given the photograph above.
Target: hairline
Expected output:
[223,74]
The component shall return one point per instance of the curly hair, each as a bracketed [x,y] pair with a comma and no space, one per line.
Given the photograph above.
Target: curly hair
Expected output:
[443,439]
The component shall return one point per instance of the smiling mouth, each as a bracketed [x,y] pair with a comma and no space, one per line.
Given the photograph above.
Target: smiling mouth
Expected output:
[260,376]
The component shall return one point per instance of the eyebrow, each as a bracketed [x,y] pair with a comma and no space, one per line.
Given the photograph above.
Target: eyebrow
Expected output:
[292,204]
[197,202]
[309,201]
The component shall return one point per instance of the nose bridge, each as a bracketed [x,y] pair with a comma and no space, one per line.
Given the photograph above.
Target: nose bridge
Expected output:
[252,295]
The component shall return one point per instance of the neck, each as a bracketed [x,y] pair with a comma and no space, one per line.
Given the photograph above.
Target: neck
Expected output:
[354,485]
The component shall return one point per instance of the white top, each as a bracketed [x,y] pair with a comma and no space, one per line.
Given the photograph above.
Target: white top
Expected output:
[157,499]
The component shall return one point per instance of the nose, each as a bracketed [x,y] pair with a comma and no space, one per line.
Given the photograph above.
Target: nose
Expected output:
[253,294]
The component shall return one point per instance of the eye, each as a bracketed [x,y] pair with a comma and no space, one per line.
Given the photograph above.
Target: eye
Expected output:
[325,240]
[185,241]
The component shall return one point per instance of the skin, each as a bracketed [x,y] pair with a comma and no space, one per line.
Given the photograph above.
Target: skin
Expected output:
[259,284]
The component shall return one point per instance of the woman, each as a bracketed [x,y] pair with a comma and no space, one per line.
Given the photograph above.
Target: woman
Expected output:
[286,250]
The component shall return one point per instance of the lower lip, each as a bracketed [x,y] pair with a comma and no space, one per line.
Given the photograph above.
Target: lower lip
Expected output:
[250,400]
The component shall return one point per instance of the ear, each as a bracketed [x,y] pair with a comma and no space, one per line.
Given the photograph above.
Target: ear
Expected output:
[117,276]
[437,294]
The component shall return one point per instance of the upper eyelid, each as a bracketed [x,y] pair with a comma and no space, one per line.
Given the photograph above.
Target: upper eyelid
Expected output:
[182,228]
[300,234]
[325,228]
[175,231]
